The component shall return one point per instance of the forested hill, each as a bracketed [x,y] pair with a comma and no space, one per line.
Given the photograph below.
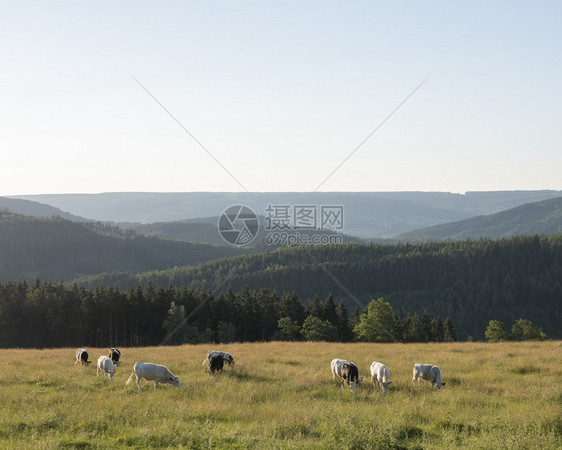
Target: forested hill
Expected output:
[36,209]
[54,248]
[205,230]
[471,281]
[544,217]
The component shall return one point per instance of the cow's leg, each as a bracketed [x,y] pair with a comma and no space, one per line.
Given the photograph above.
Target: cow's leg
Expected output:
[155,384]
[138,382]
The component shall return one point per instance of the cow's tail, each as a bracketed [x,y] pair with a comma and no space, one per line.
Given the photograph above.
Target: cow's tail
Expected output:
[130,377]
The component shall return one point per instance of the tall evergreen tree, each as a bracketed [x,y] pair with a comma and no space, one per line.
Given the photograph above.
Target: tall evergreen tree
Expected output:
[437,333]
[330,311]
[292,306]
[344,330]
[449,331]
[316,308]
[413,332]
[354,318]
[425,327]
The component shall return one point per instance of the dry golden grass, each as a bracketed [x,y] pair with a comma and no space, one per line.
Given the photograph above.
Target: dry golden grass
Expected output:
[282,395]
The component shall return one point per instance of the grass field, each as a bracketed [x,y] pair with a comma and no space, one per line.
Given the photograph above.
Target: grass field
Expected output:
[282,395]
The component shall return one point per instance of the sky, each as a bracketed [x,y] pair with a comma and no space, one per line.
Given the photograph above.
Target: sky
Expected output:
[182,96]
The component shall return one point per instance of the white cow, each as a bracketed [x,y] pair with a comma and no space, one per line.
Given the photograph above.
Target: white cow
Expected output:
[82,356]
[428,372]
[153,372]
[380,375]
[226,357]
[347,371]
[105,364]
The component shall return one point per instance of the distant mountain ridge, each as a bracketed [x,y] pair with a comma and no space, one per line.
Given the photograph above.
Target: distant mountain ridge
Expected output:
[544,217]
[367,214]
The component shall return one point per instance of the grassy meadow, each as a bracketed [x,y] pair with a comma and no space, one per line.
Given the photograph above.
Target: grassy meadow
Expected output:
[282,395]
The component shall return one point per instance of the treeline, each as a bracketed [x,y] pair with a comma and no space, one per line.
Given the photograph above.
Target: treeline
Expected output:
[470,281]
[59,315]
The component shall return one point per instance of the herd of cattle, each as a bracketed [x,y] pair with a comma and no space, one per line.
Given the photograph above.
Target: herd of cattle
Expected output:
[215,361]
[380,375]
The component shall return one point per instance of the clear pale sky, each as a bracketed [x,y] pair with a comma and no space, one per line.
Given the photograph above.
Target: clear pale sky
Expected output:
[280,93]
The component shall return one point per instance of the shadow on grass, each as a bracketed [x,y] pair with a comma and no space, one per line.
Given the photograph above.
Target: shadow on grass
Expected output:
[284,362]
[242,375]
[457,427]
[525,370]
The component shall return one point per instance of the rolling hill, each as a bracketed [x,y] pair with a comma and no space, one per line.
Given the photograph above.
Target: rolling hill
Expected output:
[205,230]
[471,281]
[36,209]
[55,248]
[544,217]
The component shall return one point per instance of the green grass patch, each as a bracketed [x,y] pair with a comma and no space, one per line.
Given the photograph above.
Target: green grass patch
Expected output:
[495,396]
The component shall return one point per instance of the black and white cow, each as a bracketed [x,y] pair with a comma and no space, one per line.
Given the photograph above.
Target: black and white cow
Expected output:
[347,371]
[82,356]
[227,357]
[115,356]
[216,363]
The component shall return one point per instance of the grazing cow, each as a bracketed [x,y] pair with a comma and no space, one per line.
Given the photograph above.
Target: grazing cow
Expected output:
[216,363]
[105,364]
[82,356]
[153,372]
[380,376]
[114,355]
[428,372]
[347,371]
[227,357]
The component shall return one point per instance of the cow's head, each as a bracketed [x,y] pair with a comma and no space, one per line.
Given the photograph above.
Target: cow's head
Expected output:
[175,381]
[385,385]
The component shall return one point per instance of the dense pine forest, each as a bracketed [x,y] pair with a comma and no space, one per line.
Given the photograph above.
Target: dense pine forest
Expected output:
[59,315]
[470,281]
